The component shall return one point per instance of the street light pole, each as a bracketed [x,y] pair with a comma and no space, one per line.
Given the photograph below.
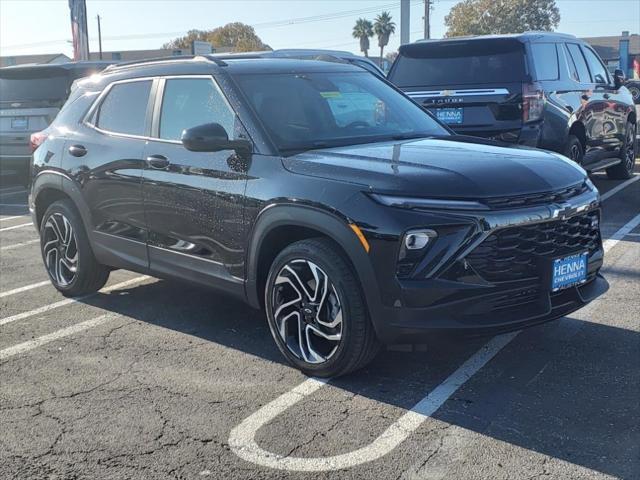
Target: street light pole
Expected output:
[99,37]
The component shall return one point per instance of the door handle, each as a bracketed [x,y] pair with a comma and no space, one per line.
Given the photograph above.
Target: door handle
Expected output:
[159,162]
[77,150]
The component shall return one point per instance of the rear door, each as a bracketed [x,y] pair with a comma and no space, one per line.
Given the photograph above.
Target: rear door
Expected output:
[194,201]
[104,157]
[473,86]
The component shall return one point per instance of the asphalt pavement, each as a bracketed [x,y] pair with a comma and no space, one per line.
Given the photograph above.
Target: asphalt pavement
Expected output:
[154,379]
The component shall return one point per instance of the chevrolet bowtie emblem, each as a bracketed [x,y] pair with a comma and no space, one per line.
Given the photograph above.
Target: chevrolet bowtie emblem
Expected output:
[447,93]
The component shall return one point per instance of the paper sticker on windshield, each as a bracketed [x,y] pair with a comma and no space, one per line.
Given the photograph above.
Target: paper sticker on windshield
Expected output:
[330,94]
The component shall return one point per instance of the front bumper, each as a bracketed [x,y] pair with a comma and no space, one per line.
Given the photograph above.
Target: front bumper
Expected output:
[450,293]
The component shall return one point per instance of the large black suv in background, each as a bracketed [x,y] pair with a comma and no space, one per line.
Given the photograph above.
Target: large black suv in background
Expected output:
[318,192]
[545,90]
[30,98]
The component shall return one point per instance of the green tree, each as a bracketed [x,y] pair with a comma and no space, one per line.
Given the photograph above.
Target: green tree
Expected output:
[235,36]
[484,17]
[362,30]
[383,28]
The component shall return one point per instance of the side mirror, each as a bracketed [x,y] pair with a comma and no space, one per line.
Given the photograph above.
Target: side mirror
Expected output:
[618,78]
[212,137]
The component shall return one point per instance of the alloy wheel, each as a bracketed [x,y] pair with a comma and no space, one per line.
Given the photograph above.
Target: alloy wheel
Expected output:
[630,150]
[307,311]
[60,249]
[574,152]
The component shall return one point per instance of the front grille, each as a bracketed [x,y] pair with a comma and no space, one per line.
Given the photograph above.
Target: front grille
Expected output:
[514,253]
[537,198]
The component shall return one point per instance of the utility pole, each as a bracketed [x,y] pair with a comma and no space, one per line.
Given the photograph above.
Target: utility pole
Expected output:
[405,24]
[427,26]
[99,36]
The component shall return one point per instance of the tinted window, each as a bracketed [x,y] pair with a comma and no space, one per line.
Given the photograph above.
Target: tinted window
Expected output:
[598,71]
[315,110]
[124,109]
[545,60]
[460,63]
[579,63]
[188,102]
[53,88]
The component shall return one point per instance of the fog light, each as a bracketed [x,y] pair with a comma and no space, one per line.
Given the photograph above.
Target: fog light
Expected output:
[417,240]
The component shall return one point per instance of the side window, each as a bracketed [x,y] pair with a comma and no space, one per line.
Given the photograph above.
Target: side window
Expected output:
[124,109]
[188,102]
[598,70]
[545,60]
[579,62]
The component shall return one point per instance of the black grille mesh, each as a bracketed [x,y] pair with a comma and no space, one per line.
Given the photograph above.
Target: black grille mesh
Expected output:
[513,253]
[537,198]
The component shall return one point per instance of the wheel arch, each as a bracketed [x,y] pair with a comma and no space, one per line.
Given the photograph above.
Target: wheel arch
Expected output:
[49,187]
[280,225]
[578,129]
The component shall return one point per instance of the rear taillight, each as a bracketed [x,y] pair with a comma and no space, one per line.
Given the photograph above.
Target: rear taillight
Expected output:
[532,102]
[36,140]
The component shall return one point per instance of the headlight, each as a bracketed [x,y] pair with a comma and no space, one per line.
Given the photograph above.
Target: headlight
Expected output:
[427,203]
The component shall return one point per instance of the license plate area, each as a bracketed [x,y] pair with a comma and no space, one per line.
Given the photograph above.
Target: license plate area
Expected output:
[450,116]
[19,123]
[569,271]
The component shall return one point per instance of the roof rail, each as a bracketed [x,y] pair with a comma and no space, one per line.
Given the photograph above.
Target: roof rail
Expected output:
[123,65]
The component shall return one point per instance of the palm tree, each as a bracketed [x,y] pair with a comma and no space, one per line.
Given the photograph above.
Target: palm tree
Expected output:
[383,27]
[362,30]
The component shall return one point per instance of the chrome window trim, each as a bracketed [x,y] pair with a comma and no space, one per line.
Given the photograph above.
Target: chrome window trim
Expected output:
[458,93]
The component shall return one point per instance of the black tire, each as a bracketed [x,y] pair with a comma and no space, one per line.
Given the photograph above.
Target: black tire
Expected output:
[574,149]
[358,344]
[624,169]
[89,275]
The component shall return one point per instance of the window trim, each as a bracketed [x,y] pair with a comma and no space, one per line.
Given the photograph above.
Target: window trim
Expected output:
[159,97]
[89,118]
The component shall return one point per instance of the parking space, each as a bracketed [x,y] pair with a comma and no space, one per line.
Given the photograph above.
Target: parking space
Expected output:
[158,379]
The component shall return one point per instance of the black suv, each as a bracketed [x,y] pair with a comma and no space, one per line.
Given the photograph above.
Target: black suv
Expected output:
[30,98]
[318,192]
[544,90]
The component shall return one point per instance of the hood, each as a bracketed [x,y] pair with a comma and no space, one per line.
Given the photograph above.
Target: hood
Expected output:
[437,168]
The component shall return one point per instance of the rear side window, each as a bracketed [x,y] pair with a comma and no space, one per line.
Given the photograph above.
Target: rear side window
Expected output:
[598,71]
[579,63]
[545,60]
[460,63]
[124,109]
[189,102]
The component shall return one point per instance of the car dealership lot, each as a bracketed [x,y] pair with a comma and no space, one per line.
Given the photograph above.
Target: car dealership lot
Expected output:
[157,379]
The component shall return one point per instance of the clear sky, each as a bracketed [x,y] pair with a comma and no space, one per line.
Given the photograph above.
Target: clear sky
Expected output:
[42,26]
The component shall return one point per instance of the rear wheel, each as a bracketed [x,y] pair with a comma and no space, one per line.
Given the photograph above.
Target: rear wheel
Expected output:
[316,310]
[624,169]
[635,93]
[66,252]
[574,149]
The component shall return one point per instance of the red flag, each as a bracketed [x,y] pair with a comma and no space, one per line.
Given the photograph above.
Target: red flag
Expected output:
[78,10]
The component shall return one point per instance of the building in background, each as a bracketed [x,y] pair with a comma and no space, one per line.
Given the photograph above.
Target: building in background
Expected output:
[618,51]
[51,58]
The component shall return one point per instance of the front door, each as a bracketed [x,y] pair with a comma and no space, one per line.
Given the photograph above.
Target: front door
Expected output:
[194,201]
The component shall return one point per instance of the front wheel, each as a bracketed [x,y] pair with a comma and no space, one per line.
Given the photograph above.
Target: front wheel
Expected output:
[316,310]
[624,169]
[574,149]
[66,252]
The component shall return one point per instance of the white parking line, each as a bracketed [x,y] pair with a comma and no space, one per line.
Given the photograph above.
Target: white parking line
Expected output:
[18,245]
[242,438]
[13,227]
[24,289]
[67,301]
[617,188]
[65,332]
[10,189]
[11,194]
[4,219]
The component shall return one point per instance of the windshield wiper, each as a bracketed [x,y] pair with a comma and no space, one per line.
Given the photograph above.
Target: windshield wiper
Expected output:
[410,136]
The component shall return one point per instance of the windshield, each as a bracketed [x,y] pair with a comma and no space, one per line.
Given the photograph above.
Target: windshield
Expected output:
[316,110]
[461,63]
[27,89]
